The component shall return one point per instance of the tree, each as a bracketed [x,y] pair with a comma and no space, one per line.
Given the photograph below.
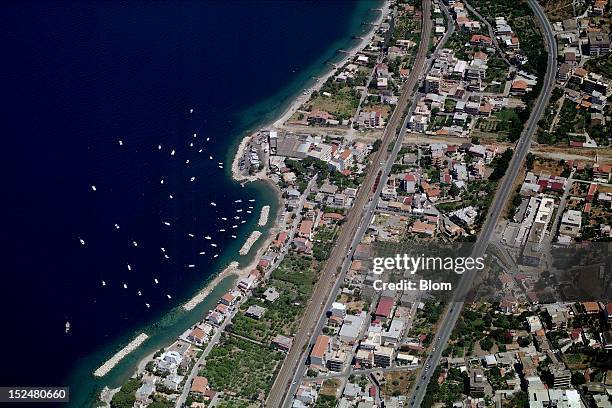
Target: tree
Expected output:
[578,378]
[486,344]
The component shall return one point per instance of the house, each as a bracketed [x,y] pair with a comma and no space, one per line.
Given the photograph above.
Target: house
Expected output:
[145,390]
[305,230]
[479,39]
[599,43]
[571,223]
[199,385]
[227,299]
[197,336]
[282,342]
[385,307]
[317,355]
[255,312]
[271,295]
[420,227]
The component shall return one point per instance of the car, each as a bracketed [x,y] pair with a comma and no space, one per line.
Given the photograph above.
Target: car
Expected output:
[418,386]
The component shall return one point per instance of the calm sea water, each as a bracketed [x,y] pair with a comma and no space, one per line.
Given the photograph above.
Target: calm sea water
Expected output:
[79,77]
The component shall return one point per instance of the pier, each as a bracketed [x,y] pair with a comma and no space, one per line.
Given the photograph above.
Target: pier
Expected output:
[263,217]
[249,242]
[114,360]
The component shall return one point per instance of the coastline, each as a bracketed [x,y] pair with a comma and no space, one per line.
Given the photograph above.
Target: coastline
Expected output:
[234,270]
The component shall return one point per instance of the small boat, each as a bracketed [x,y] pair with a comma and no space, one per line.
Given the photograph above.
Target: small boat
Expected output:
[166,256]
[220,163]
[207,139]
[191,144]
[163,249]
[147,305]
[251,200]
[187,161]
[216,255]
[82,241]
[172,152]
[251,207]
[93,188]
[195,135]
[220,167]
[139,293]
[239,210]
[161,181]
[248,211]
[67,327]
[191,110]
[191,266]
[192,179]
[167,223]
[213,203]
[233,236]
[203,253]
[169,297]
[124,286]
[237,201]
[222,230]
[120,142]
[210,157]
[135,243]
[155,280]
[234,226]
[200,151]
[129,267]
[213,245]
[236,217]
[158,147]
[116,226]
[224,218]
[103,283]
[242,222]
[191,235]
[207,237]
[171,197]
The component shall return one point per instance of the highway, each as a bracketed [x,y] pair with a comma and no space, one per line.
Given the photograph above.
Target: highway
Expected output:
[501,197]
[293,366]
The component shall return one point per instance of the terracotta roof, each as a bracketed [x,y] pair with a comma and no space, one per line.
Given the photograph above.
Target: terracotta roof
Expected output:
[320,346]
[199,384]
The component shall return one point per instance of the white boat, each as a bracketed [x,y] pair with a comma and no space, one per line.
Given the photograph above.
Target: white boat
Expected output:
[171,197]
[207,237]
[166,256]
[195,135]
[238,201]
[200,151]
[210,157]
[67,327]
[187,161]
[242,222]
[220,163]
[234,226]
[191,110]
[169,297]
[120,142]
[172,152]
[191,144]
[213,203]
[251,200]
[248,211]
[103,283]
[192,179]
[251,207]
[116,226]
[239,210]
[216,255]
[161,181]
[158,147]
[129,267]
[93,188]
[224,218]
[135,243]
[213,245]
[163,249]
[155,280]
[191,266]
[220,167]
[191,235]
[147,305]
[139,293]
[82,241]
[203,253]
[124,286]
[236,217]
[207,139]
[166,223]
[222,230]
[233,236]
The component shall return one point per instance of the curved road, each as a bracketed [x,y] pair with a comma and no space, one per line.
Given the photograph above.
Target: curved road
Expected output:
[501,197]
[285,385]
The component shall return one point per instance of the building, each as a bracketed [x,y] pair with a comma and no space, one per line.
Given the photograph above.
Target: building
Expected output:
[317,355]
[383,356]
[561,376]
[199,385]
[282,342]
[306,229]
[255,312]
[599,43]
[335,360]
[477,383]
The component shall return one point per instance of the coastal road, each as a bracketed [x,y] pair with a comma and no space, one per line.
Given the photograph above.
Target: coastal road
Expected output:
[501,198]
[284,387]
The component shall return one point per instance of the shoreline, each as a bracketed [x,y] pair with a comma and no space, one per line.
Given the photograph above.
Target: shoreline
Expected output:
[234,268]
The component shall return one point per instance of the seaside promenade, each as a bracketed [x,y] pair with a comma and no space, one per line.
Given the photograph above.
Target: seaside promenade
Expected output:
[293,363]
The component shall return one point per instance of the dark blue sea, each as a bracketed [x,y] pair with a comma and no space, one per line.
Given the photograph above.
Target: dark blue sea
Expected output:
[90,90]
